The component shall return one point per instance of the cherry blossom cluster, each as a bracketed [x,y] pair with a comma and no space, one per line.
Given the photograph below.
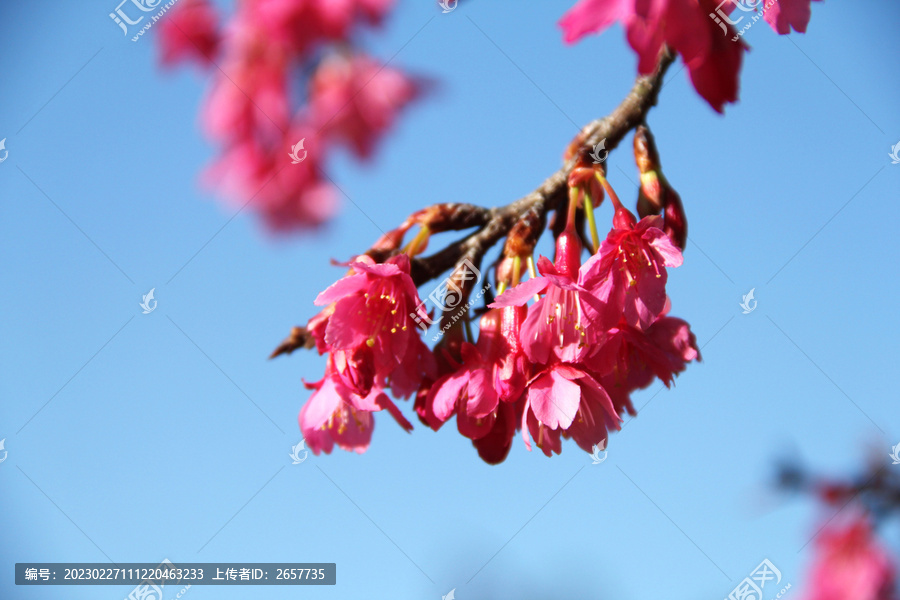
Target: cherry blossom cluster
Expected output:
[556,355]
[702,32]
[285,73]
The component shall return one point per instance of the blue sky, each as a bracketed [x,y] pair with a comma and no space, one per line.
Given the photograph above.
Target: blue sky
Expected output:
[136,437]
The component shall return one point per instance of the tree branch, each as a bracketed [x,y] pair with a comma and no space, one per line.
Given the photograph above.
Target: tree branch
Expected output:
[552,192]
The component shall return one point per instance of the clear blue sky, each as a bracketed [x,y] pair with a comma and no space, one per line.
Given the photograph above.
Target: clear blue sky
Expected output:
[146,443]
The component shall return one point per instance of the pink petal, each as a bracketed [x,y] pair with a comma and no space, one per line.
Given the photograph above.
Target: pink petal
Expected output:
[341,288]
[554,400]
[592,16]
[520,294]
[445,393]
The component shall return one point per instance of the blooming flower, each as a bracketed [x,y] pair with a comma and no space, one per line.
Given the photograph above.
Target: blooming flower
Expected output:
[563,400]
[564,321]
[334,414]
[371,317]
[493,371]
[629,359]
[629,270]
[713,60]
[850,563]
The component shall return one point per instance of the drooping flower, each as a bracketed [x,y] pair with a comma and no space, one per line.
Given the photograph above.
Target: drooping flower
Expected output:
[850,563]
[713,60]
[566,319]
[334,414]
[630,359]
[563,400]
[630,268]
[492,372]
[356,99]
[786,14]
[189,31]
[371,317]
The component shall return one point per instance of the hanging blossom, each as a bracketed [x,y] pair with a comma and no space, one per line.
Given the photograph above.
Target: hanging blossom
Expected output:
[273,146]
[368,331]
[557,356]
[702,32]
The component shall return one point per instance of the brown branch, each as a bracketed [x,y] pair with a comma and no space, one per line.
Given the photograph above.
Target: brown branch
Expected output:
[552,192]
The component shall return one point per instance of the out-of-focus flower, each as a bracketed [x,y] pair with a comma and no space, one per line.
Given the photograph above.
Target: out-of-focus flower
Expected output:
[355,99]
[189,31]
[850,564]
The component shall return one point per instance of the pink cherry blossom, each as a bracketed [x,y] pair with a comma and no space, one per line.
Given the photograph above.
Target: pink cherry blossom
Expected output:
[630,268]
[565,401]
[286,195]
[629,359]
[850,563]
[786,14]
[356,99]
[565,320]
[713,60]
[493,371]
[372,326]
[189,31]
[335,414]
